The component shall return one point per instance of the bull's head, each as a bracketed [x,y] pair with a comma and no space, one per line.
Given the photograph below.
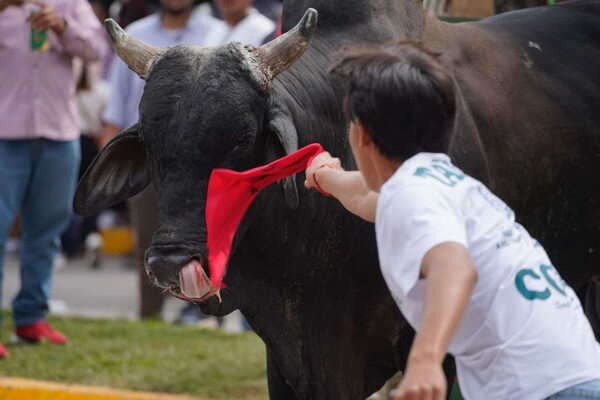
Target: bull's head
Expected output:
[202,108]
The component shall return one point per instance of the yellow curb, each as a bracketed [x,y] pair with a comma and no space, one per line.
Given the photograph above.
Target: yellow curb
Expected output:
[27,389]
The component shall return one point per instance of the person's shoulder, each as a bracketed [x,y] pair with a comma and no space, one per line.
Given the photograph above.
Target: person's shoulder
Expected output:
[215,34]
[434,170]
[143,26]
[417,183]
[203,20]
[406,177]
[406,191]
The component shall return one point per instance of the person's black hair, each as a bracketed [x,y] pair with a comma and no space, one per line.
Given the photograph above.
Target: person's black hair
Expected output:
[401,94]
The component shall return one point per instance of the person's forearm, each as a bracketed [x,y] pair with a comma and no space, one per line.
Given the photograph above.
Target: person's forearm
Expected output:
[83,35]
[450,279]
[350,189]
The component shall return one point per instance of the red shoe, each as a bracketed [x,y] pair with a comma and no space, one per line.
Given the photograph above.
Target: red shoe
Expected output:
[3,351]
[38,332]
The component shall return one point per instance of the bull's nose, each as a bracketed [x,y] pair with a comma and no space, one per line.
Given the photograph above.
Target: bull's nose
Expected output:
[163,264]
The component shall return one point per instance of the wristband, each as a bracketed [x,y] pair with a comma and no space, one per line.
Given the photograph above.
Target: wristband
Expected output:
[314,177]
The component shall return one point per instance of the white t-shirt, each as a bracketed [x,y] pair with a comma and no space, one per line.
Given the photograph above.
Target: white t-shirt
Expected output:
[524,334]
[91,103]
[251,30]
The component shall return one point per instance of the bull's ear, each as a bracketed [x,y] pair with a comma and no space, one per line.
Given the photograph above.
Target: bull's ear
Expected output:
[118,172]
[283,140]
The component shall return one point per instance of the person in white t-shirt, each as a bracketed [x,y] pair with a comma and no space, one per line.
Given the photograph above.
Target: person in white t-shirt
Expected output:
[465,275]
[241,23]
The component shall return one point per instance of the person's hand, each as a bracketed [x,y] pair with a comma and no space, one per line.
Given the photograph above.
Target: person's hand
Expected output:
[6,3]
[320,161]
[423,381]
[47,18]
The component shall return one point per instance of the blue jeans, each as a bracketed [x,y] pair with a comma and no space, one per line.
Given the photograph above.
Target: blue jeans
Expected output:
[37,179]
[583,391]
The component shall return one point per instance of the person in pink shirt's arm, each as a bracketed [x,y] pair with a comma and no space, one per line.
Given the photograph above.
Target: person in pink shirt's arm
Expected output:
[73,29]
[39,141]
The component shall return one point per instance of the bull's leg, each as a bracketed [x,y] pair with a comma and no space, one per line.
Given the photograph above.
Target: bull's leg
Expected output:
[592,305]
[278,388]
[450,370]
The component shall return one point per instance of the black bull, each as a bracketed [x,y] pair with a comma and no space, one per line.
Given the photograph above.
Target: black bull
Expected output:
[304,272]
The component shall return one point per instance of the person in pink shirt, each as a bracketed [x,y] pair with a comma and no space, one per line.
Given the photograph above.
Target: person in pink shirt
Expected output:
[39,140]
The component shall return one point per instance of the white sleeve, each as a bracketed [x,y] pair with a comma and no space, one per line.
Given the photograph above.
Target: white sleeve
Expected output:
[409,223]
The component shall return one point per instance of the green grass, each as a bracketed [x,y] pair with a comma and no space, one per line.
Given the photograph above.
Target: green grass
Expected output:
[148,356]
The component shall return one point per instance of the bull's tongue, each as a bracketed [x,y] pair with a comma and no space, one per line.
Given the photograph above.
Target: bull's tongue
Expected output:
[193,281]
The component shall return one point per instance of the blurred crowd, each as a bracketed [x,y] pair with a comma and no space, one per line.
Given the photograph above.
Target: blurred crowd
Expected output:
[67,97]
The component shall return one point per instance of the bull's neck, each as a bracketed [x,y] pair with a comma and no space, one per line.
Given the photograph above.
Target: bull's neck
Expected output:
[403,17]
[307,89]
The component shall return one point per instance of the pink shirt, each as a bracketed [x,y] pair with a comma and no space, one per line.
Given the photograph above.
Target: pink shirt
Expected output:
[37,89]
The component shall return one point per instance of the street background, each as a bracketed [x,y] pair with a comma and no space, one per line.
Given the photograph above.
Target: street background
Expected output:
[110,291]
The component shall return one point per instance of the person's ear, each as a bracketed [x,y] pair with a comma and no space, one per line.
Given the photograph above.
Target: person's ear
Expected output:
[364,140]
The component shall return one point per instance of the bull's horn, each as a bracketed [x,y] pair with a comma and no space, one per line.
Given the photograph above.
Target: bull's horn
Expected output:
[279,54]
[138,56]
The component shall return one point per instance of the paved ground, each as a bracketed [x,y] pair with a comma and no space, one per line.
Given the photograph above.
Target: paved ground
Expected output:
[110,291]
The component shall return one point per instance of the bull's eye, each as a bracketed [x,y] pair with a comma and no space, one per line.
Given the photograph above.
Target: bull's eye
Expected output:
[245,137]
[245,140]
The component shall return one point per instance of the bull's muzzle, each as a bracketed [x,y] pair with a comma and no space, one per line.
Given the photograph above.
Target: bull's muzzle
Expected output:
[179,271]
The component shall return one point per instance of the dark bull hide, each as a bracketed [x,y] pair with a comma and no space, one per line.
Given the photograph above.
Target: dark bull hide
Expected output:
[304,272]
[502,6]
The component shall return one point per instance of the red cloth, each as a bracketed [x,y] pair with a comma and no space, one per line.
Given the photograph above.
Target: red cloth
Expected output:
[230,193]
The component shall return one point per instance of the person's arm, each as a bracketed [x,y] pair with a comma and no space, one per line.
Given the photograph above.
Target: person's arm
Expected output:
[78,30]
[450,278]
[348,187]
[48,18]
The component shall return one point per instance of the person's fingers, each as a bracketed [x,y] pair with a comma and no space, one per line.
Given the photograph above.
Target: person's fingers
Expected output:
[308,182]
[439,394]
[44,11]
[417,392]
[406,394]
[428,393]
[320,158]
[37,16]
[45,21]
[403,393]
[42,23]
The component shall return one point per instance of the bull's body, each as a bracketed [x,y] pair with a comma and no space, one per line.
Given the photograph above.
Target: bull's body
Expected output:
[307,279]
